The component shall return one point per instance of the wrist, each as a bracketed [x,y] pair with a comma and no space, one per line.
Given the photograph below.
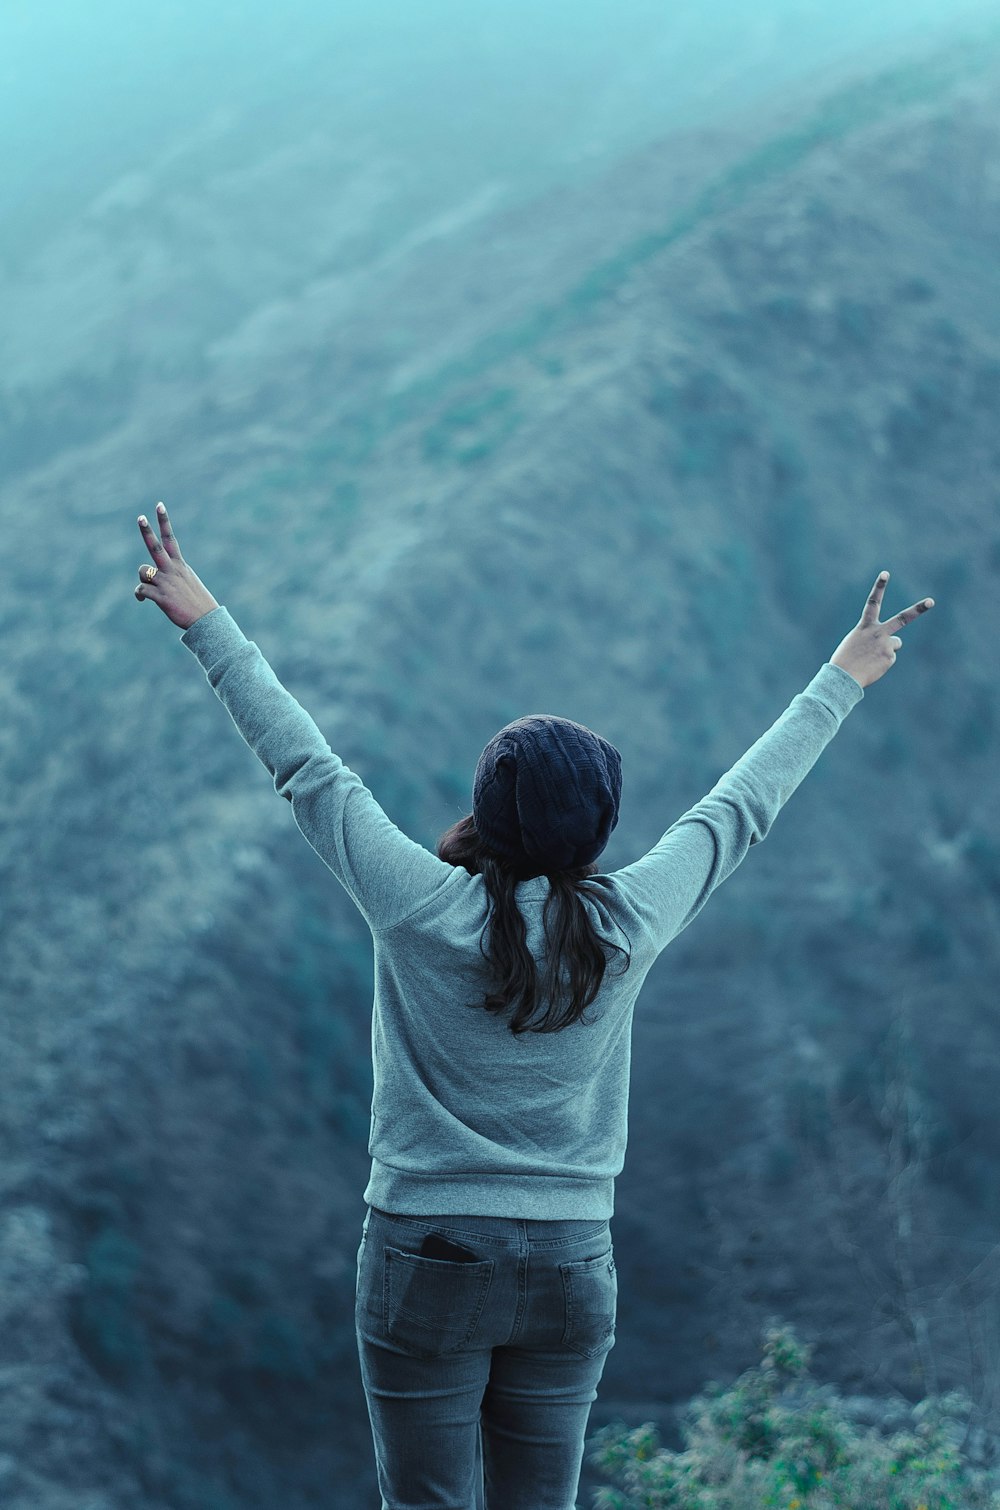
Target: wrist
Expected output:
[841,667]
[200,612]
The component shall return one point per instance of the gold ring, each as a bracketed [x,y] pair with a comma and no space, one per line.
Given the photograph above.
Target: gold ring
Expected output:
[151,572]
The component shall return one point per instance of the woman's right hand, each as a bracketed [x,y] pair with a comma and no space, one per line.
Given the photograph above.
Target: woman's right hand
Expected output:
[870,648]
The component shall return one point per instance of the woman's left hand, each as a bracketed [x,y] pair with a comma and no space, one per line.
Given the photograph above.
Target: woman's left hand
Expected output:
[170,583]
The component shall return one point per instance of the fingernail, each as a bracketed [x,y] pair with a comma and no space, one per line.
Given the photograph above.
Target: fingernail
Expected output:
[143,519]
[161,508]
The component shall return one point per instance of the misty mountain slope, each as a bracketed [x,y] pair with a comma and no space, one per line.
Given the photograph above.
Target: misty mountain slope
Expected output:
[918,391]
[650,496]
[735,410]
[179,429]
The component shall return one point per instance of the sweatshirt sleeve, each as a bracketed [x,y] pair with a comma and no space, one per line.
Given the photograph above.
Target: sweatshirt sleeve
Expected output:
[386,874]
[670,884]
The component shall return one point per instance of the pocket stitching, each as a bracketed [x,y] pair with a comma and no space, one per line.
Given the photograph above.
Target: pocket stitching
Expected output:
[569,1271]
[391,1253]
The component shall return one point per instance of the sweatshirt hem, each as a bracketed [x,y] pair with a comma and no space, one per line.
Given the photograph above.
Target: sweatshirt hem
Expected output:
[532,1197]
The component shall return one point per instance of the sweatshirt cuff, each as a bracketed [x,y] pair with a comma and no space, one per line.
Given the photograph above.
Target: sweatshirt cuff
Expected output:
[837,689]
[213,635]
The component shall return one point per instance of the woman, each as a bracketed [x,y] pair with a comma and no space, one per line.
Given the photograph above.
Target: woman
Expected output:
[506,973]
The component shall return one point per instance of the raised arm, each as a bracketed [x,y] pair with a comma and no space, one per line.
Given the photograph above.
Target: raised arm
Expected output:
[670,884]
[386,873]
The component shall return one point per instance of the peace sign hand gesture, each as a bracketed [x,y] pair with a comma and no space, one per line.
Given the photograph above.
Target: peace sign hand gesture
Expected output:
[870,648]
[169,582]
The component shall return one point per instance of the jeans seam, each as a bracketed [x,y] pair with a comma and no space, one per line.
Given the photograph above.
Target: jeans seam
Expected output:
[543,1245]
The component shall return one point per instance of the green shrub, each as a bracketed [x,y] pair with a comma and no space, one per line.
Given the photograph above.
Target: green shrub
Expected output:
[776,1440]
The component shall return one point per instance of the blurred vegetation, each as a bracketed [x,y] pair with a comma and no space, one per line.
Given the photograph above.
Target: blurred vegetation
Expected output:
[108,1312]
[775,1439]
[471,430]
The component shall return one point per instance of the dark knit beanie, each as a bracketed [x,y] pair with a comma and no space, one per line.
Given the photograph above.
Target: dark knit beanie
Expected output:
[547,791]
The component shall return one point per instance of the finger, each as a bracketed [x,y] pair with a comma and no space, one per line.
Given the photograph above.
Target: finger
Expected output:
[156,548]
[874,604]
[166,530]
[908,615]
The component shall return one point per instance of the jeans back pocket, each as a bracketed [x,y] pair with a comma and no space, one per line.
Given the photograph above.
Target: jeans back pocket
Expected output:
[431,1306]
[590,1291]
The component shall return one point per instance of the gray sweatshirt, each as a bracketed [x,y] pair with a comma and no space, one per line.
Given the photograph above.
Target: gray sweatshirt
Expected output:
[466,1118]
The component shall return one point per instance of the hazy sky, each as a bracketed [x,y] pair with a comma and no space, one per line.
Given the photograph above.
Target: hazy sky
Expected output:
[532,89]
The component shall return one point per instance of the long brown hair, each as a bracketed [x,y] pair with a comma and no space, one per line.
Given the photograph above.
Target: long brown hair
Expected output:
[574,943]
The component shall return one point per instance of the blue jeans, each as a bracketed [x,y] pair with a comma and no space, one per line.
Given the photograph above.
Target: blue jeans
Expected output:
[480,1368]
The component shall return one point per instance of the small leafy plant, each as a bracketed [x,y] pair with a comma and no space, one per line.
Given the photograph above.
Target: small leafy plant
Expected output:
[777,1440]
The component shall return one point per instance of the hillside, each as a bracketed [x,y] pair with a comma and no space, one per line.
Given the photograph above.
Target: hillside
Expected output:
[632,453]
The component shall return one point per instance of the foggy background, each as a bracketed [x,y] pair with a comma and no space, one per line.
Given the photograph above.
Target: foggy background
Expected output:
[487,358]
